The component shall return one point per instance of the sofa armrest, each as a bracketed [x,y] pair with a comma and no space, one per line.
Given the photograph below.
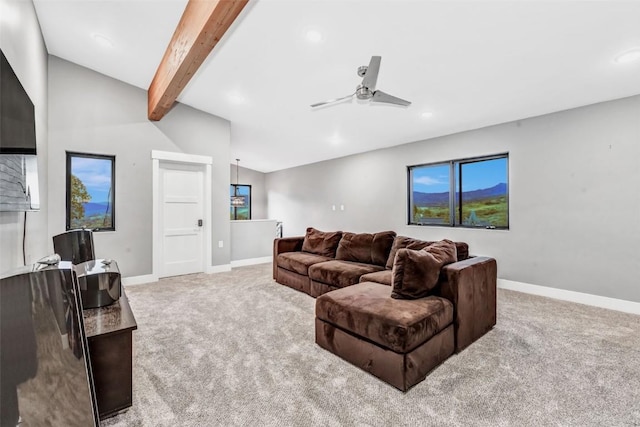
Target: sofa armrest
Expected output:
[471,286]
[285,244]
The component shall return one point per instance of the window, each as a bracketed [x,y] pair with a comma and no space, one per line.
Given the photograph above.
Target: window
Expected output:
[90,191]
[241,207]
[460,193]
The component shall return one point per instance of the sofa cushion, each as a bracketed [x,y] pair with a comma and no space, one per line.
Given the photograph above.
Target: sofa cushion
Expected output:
[366,247]
[368,311]
[340,273]
[416,273]
[462,249]
[383,277]
[322,243]
[299,262]
[401,242]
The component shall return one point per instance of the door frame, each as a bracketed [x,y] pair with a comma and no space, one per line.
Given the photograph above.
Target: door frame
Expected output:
[163,157]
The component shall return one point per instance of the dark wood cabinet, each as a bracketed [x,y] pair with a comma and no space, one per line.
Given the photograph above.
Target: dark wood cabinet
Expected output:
[109,333]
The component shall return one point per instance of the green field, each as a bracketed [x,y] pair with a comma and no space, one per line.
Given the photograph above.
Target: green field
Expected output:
[489,211]
[434,214]
[241,213]
[92,222]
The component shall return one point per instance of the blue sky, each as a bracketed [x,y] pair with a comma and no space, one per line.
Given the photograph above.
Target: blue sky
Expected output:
[95,174]
[475,176]
[431,179]
[243,190]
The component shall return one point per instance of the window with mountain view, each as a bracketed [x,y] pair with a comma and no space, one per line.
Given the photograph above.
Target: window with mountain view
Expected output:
[431,201]
[461,193]
[90,191]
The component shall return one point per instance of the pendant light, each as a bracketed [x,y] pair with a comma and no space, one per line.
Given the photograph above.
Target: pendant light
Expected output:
[237,201]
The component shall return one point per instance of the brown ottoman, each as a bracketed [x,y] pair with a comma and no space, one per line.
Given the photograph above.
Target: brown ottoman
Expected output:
[398,341]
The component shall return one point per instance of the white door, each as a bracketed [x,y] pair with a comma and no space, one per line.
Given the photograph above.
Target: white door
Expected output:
[181,216]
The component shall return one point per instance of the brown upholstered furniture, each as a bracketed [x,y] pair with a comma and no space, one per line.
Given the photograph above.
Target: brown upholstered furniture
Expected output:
[399,339]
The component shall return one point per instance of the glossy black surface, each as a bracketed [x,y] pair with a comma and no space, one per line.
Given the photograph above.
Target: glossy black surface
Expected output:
[100,283]
[75,246]
[115,318]
[109,331]
[46,379]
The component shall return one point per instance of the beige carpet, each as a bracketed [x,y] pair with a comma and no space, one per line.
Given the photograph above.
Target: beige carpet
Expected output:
[238,349]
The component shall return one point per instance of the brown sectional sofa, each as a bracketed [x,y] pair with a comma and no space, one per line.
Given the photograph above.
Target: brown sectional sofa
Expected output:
[399,339]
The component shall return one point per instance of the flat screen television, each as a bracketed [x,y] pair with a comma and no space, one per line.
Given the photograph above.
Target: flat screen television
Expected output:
[19,190]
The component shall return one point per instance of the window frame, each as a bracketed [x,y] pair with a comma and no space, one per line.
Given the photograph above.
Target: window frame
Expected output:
[455,181]
[235,209]
[69,157]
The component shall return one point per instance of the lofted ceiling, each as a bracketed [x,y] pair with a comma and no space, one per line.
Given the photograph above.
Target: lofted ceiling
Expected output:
[463,64]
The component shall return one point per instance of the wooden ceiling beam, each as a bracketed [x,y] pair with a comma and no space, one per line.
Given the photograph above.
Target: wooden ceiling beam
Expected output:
[201,27]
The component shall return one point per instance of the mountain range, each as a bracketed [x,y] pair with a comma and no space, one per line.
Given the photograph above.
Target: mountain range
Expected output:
[424,199]
[96,208]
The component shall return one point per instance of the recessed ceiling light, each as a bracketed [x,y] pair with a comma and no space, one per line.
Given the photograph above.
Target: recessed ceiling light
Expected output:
[102,40]
[10,15]
[628,56]
[236,98]
[314,36]
[427,114]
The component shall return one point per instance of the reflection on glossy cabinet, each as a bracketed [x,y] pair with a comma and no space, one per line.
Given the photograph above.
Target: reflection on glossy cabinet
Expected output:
[109,332]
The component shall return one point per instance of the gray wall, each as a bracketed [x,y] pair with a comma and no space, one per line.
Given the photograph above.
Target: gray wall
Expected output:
[258,191]
[197,132]
[252,239]
[574,196]
[92,113]
[22,43]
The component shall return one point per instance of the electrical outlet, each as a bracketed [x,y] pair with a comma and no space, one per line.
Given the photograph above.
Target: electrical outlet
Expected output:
[333,207]
[220,243]
[341,207]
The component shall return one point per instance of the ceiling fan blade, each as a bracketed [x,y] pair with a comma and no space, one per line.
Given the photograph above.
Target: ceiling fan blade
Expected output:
[380,96]
[371,76]
[331,101]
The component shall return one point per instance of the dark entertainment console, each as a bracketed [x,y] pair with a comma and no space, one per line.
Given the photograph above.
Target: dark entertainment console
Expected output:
[109,333]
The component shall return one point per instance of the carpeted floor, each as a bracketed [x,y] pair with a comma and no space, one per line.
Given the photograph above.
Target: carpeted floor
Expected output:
[238,349]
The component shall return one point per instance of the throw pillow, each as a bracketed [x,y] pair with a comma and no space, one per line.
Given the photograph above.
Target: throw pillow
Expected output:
[400,242]
[416,272]
[366,247]
[404,242]
[321,243]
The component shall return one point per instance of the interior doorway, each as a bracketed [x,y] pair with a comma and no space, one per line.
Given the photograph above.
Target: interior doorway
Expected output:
[181,213]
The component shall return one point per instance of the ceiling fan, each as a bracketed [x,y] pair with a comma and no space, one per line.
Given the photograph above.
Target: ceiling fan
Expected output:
[367,89]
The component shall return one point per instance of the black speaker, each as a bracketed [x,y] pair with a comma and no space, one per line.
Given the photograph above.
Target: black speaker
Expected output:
[75,246]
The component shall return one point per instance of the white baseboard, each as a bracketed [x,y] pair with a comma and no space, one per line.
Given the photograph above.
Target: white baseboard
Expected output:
[579,297]
[251,261]
[139,280]
[218,268]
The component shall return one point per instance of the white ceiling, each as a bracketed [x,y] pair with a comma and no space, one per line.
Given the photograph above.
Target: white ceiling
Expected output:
[470,64]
